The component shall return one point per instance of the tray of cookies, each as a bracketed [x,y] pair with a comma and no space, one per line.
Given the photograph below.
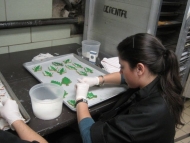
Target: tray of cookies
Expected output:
[64,71]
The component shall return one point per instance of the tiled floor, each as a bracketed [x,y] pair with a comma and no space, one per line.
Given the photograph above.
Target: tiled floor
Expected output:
[186,128]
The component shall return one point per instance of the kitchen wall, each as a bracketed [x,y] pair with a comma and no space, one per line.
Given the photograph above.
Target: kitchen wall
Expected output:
[19,39]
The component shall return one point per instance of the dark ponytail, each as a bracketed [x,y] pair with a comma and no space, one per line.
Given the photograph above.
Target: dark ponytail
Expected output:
[171,86]
[147,49]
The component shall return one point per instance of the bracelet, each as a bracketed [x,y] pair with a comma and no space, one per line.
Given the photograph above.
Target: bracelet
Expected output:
[102,80]
[81,100]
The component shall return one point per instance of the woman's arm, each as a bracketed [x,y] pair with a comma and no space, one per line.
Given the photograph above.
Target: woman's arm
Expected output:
[10,112]
[84,118]
[112,78]
[26,133]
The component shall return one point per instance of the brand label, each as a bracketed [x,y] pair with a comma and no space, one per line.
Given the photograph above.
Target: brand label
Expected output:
[115,11]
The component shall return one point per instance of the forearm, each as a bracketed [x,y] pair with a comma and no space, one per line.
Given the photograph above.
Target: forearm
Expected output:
[82,111]
[26,133]
[113,78]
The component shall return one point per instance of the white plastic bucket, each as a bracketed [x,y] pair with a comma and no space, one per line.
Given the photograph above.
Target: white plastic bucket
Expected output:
[90,45]
[47,100]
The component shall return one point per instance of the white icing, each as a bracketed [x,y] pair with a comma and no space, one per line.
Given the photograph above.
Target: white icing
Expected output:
[47,111]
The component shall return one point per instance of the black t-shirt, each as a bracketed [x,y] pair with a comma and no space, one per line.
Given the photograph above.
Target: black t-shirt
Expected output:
[6,137]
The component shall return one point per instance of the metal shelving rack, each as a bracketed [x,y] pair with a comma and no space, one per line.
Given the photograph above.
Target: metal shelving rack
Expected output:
[174,31]
[183,46]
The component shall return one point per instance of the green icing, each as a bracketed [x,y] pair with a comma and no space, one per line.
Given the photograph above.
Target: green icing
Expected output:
[57,64]
[88,70]
[70,67]
[37,68]
[52,68]
[65,93]
[77,65]
[47,73]
[82,73]
[61,71]
[90,95]
[67,61]
[56,82]
[72,102]
[66,81]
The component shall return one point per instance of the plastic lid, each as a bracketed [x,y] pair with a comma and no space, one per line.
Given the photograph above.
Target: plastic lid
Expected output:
[46,93]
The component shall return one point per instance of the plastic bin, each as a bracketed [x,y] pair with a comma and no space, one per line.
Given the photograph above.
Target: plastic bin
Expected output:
[90,45]
[47,100]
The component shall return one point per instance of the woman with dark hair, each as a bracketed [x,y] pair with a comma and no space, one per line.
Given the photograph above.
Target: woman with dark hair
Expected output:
[150,109]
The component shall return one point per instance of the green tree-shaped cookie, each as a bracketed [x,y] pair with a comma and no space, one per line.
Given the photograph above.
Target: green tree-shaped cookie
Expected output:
[82,73]
[70,67]
[61,71]
[66,81]
[65,93]
[90,95]
[37,68]
[57,64]
[86,69]
[56,82]
[47,73]
[67,61]
[52,68]
[77,65]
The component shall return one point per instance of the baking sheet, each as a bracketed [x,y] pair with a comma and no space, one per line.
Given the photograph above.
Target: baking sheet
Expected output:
[6,92]
[103,93]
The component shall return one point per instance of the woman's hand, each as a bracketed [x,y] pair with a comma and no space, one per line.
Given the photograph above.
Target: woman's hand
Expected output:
[91,81]
[81,90]
[10,111]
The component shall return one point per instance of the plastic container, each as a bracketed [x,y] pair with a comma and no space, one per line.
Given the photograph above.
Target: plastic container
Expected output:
[90,45]
[47,100]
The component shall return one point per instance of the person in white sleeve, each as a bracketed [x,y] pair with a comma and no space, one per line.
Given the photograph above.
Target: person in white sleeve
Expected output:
[10,112]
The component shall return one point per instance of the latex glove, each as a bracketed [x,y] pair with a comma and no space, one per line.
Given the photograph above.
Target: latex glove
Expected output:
[89,80]
[81,90]
[10,111]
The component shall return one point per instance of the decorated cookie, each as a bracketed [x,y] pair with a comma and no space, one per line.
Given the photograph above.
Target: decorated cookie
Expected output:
[82,73]
[56,82]
[37,68]
[61,71]
[47,73]
[72,102]
[65,93]
[57,64]
[70,67]
[77,65]
[90,95]
[52,68]
[67,61]
[66,81]
[88,70]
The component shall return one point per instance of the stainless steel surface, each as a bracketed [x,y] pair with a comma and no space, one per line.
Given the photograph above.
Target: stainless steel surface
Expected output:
[110,29]
[13,96]
[154,16]
[182,49]
[103,93]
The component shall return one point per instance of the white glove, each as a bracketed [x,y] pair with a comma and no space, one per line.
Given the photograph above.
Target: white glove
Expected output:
[81,90]
[10,111]
[89,80]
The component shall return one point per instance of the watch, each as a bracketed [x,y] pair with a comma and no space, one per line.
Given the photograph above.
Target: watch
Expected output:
[81,100]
